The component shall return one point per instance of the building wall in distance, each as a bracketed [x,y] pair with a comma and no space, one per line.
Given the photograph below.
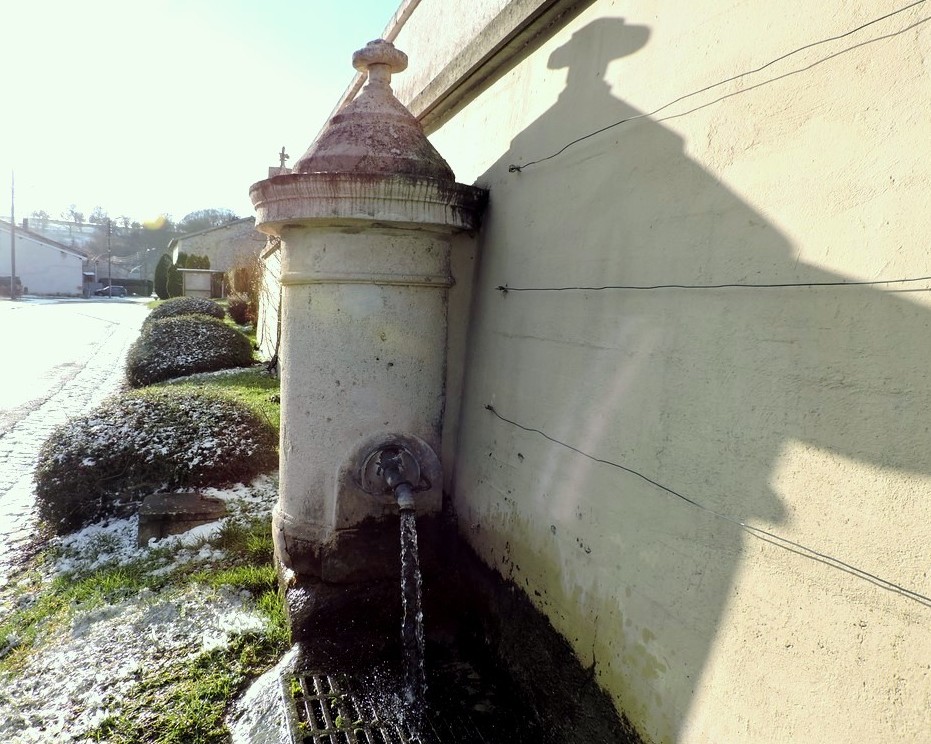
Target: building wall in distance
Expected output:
[224,246]
[43,269]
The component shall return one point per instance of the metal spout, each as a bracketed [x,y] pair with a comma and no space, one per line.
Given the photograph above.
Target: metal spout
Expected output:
[394,470]
[405,496]
[391,464]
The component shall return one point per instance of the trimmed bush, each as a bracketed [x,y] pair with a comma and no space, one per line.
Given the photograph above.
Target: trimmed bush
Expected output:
[182,345]
[186,306]
[238,309]
[245,278]
[103,463]
[160,283]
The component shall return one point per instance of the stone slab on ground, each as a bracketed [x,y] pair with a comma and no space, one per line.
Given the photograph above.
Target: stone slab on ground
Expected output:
[164,514]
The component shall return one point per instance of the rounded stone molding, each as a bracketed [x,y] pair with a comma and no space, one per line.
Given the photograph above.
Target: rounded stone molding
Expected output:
[334,198]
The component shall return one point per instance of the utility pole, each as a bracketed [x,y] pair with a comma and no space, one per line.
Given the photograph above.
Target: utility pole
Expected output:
[145,263]
[12,236]
[109,260]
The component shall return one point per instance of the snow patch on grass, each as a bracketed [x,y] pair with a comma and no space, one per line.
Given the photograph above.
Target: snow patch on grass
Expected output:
[80,675]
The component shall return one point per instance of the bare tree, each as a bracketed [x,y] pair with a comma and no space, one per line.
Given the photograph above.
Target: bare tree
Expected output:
[98,216]
[203,219]
[41,217]
[72,215]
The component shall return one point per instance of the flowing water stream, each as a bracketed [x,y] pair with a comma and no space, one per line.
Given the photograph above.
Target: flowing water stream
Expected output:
[412,633]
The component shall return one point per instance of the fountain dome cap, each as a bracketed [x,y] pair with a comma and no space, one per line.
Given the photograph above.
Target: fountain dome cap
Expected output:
[375,134]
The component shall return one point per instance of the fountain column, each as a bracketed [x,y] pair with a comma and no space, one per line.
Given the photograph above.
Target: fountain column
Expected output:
[365,220]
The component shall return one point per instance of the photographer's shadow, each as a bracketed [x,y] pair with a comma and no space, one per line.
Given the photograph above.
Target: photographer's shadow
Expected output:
[700,390]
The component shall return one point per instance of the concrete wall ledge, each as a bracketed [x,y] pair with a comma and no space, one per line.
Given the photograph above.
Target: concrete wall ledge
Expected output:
[513,33]
[448,72]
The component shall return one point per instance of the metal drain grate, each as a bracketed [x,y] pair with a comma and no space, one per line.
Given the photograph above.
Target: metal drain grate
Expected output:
[323,708]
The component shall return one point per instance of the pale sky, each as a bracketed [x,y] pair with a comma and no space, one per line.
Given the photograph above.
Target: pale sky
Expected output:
[166,106]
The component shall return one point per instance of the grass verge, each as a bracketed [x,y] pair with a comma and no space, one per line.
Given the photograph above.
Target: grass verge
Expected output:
[184,698]
[42,611]
[185,701]
[78,584]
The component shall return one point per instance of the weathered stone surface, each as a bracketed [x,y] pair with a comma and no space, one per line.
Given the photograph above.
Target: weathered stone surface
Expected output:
[164,514]
[375,134]
[365,223]
[371,550]
[359,199]
[372,163]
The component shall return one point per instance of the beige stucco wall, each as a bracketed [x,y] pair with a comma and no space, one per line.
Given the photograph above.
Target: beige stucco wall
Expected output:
[801,411]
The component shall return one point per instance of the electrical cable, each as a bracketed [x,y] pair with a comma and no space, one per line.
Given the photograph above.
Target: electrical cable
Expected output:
[513,168]
[757,532]
[504,288]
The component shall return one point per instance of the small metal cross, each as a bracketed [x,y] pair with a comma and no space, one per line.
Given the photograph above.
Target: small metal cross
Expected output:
[282,156]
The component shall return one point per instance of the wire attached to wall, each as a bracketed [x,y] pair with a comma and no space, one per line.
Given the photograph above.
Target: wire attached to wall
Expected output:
[513,168]
[757,532]
[505,288]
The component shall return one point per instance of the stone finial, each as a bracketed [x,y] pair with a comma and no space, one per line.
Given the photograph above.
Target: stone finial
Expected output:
[375,134]
[380,60]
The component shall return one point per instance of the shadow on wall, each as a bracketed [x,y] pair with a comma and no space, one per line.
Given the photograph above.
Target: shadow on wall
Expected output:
[700,390]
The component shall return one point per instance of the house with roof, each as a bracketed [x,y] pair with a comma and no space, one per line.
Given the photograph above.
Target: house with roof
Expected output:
[236,244]
[44,266]
[687,361]
[225,245]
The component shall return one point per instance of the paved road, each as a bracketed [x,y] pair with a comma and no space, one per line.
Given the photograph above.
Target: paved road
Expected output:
[59,359]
